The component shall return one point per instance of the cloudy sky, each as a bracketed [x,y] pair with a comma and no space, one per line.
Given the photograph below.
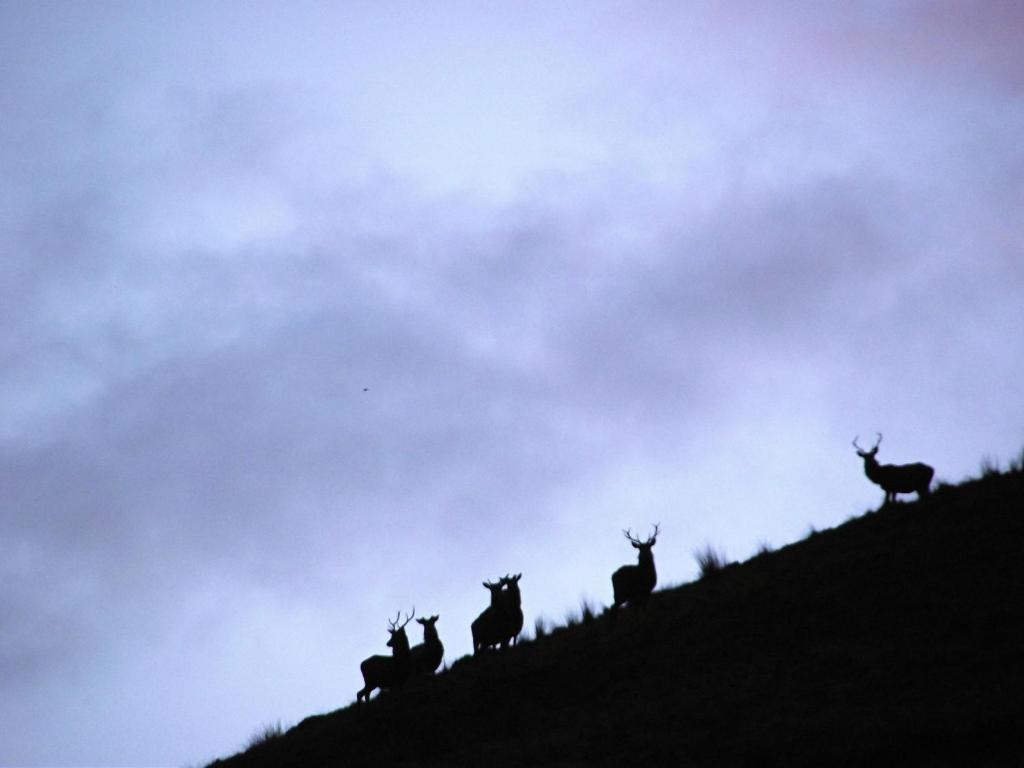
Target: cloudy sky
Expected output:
[312,312]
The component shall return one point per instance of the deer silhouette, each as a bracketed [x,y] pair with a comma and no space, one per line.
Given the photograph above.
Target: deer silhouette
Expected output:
[633,584]
[512,605]
[388,671]
[426,657]
[489,627]
[895,478]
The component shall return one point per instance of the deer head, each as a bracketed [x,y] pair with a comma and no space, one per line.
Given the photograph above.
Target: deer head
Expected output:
[398,640]
[512,582]
[643,546]
[429,630]
[869,454]
[495,590]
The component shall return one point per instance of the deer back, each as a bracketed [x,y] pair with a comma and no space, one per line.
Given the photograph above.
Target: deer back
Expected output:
[904,478]
[487,628]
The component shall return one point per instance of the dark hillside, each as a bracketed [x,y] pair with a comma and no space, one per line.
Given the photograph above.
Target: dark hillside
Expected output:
[896,638]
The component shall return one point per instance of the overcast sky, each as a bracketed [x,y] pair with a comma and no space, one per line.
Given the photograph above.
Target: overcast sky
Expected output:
[311,312]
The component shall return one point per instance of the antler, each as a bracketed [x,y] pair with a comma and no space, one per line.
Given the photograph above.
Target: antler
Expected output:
[635,540]
[393,625]
[878,442]
[654,535]
[409,618]
[629,535]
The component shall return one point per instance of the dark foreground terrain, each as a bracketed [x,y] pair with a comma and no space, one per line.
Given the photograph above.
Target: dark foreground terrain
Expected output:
[894,639]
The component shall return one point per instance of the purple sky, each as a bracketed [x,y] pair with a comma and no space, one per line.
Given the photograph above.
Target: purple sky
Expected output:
[597,264]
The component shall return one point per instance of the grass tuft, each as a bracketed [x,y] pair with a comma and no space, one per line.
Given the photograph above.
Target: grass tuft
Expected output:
[587,614]
[709,560]
[540,628]
[989,466]
[268,732]
[1017,463]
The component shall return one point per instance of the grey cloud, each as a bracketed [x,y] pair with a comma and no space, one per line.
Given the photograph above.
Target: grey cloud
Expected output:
[197,291]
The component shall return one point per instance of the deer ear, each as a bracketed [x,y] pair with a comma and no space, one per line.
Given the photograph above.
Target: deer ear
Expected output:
[635,545]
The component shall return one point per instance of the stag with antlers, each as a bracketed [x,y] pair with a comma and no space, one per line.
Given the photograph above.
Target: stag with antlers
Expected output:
[388,671]
[895,478]
[633,584]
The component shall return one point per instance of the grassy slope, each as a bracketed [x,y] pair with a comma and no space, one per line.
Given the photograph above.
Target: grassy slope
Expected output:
[896,637]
